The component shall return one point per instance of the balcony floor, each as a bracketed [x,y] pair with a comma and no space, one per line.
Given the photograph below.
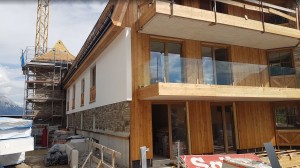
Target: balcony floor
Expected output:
[198,24]
[179,91]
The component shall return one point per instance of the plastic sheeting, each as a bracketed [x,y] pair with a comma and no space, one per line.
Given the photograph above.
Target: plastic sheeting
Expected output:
[13,123]
[12,159]
[15,133]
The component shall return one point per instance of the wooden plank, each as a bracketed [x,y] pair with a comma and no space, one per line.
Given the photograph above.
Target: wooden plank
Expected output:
[271,6]
[243,5]
[249,136]
[273,11]
[200,127]
[106,149]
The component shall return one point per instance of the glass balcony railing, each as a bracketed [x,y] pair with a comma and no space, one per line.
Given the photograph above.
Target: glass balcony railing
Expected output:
[170,69]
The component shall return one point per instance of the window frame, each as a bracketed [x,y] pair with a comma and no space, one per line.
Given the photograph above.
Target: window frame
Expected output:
[82,92]
[93,83]
[281,51]
[286,106]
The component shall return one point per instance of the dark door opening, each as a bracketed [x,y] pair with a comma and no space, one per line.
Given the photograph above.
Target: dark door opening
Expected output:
[160,129]
[169,127]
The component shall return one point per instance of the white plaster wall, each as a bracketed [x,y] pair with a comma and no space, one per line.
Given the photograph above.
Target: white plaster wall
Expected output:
[113,81]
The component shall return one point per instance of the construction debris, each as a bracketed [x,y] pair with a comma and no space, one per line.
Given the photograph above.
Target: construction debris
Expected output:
[56,155]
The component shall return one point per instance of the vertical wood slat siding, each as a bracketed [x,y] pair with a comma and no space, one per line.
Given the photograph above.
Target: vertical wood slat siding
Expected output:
[255,123]
[141,116]
[200,127]
[244,77]
[192,53]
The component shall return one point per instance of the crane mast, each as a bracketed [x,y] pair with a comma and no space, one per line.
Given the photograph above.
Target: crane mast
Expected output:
[42,21]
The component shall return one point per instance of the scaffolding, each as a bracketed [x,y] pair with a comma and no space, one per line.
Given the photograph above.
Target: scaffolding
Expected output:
[44,97]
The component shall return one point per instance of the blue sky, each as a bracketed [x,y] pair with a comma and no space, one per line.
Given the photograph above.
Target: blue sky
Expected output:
[70,21]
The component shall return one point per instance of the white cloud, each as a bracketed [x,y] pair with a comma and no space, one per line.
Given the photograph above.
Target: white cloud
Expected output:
[70,21]
[12,83]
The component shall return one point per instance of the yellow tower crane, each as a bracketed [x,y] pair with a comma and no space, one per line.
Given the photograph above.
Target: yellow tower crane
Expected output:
[42,21]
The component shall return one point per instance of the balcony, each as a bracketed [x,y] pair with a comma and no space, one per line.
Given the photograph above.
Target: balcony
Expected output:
[173,78]
[257,30]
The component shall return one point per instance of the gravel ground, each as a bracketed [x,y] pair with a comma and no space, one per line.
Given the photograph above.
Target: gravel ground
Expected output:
[35,159]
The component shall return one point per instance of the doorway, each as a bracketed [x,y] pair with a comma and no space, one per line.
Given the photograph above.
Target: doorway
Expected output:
[223,128]
[169,126]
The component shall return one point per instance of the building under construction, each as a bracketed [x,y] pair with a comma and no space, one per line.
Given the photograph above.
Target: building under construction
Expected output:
[44,96]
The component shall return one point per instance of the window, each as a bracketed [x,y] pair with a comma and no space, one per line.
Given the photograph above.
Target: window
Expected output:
[165,62]
[280,63]
[93,84]
[73,100]
[287,116]
[216,65]
[68,99]
[82,91]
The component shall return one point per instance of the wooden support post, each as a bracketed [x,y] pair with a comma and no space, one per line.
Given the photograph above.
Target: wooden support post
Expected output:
[113,157]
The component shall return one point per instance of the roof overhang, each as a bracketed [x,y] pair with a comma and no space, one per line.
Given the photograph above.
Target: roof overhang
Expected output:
[202,25]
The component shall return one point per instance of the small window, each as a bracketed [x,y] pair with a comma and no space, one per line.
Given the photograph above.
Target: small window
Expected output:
[287,116]
[280,63]
[82,91]
[93,84]
[73,100]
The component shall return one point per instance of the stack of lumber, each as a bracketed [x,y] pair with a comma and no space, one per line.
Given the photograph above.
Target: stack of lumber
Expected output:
[287,158]
[15,140]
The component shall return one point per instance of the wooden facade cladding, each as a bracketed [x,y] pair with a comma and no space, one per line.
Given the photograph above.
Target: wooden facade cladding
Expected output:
[247,55]
[92,94]
[255,123]
[201,139]
[288,137]
[82,99]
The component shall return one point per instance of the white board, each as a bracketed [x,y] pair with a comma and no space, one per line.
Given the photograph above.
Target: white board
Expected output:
[11,146]
[12,159]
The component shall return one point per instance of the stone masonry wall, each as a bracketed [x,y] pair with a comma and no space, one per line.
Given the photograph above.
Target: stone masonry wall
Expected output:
[113,117]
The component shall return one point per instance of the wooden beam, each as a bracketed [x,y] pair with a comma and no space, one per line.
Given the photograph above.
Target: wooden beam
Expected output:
[271,6]
[276,12]
[243,5]
[182,91]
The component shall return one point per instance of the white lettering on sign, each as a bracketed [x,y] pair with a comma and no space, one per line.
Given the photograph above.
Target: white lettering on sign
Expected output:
[216,164]
[198,161]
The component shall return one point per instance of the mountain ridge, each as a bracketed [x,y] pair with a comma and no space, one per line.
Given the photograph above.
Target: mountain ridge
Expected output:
[8,107]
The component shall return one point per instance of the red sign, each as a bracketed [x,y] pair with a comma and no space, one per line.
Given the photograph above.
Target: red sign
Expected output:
[212,161]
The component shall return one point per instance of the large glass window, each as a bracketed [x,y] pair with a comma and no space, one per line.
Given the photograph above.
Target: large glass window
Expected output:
[165,62]
[287,116]
[216,67]
[281,63]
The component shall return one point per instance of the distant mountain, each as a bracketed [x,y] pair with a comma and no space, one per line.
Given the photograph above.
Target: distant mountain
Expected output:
[8,107]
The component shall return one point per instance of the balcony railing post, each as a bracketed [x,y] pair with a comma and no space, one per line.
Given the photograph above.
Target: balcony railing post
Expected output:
[215,10]
[171,8]
[297,17]
[262,15]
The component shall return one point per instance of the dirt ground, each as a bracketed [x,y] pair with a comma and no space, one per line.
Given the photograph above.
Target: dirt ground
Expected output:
[35,159]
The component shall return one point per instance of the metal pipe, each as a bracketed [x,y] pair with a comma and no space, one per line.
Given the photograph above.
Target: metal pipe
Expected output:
[262,16]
